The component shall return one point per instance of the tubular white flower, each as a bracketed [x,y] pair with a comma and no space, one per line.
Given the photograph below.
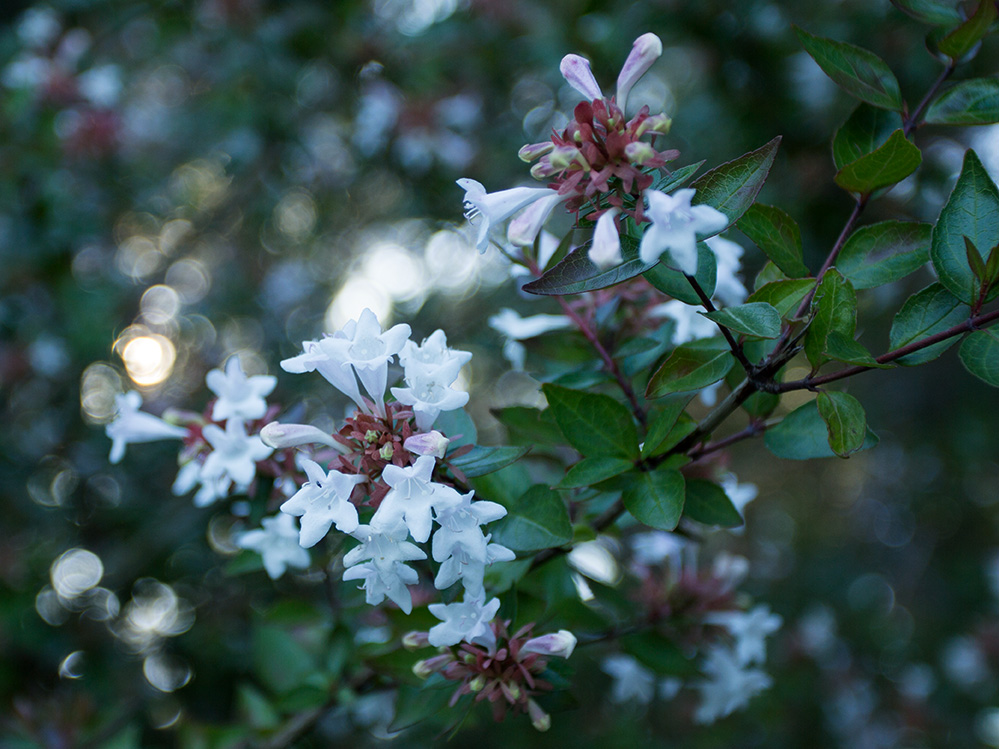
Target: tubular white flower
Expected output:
[277,543]
[675,226]
[322,356]
[606,248]
[467,621]
[132,425]
[238,396]
[577,73]
[729,686]
[429,393]
[524,229]
[235,453]
[413,497]
[380,562]
[645,50]
[281,436]
[489,210]
[323,501]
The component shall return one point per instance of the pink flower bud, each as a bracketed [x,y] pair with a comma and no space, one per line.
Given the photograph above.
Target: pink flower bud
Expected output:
[657,123]
[415,640]
[645,51]
[541,720]
[280,436]
[576,71]
[532,151]
[560,643]
[564,156]
[427,443]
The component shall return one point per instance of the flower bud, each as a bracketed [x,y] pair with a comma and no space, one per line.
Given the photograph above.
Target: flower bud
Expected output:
[415,640]
[638,152]
[559,643]
[387,451]
[542,170]
[478,683]
[646,50]
[427,443]
[562,157]
[657,123]
[532,151]
[371,436]
[541,720]
[424,668]
[280,436]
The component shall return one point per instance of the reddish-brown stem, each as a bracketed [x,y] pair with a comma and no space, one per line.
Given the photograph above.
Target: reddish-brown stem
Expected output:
[733,344]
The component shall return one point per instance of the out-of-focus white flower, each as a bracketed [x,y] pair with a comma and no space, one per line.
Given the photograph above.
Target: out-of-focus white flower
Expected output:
[235,453]
[654,547]
[239,396]
[690,324]
[675,226]
[467,621]
[524,229]
[729,686]
[488,210]
[512,325]
[633,682]
[740,494]
[101,86]
[750,630]
[606,248]
[964,663]
[132,425]
[729,289]
[324,501]
[380,561]
[277,543]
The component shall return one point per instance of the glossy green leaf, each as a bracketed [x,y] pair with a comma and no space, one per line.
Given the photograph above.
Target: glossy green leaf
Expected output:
[675,284]
[709,504]
[536,520]
[482,459]
[882,253]
[864,132]
[933,12]
[842,348]
[834,307]
[595,424]
[932,310]
[784,296]
[992,266]
[753,318]
[886,165]
[662,419]
[760,405]
[856,70]
[683,427]
[677,178]
[590,471]
[974,102]
[845,421]
[655,498]
[576,274]
[777,235]
[972,211]
[458,426]
[960,41]
[980,355]
[690,367]
[529,425]
[732,187]
[803,435]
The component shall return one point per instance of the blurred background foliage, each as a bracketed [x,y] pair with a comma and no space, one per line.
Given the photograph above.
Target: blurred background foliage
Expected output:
[181,181]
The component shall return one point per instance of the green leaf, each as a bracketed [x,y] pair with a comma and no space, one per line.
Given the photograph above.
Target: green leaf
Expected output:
[933,12]
[992,266]
[980,355]
[864,132]
[576,274]
[658,652]
[417,703]
[777,235]
[675,284]
[856,70]
[662,419]
[932,310]
[458,426]
[590,471]
[536,520]
[784,296]
[803,435]
[886,165]
[974,102]
[690,367]
[596,425]
[972,211]
[975,260]
[709,504]
[754,318]
[843,348]
[482,460]
[529,424]
[677,178]
[834,307]
[882,253]
[655,498]
[279,661]
[732,187]
[960,41]
[760,405]
[845,421]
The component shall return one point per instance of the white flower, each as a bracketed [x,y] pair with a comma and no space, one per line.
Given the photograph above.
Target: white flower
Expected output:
[489,210]
[430,392]
[413,497]
[729,288]
[280,436]
[235,453]
[322,356]
[606,248]
[467,621]
[132,425]
[690,324]
[367,348]
[239,396]
[675,226]
[323,501]
[277,543]
[431,355]
[460,546]
[750,630]
[633,682]
[560,643]
[524,229]
[427,443]
[655,547]
[512,325]
[380,562]
[729,687]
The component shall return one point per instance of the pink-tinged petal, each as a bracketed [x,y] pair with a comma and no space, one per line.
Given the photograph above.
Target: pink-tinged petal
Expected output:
[644,52]
[606,249]
[576,71]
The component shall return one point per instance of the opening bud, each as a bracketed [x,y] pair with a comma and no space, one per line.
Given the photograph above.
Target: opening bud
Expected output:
[478,683]
[561,158]
[533,151]
[427,443]
[638,152]
[560,643]
[415,640]
[541,720]
[387,451]
[656,123]
[280,436]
